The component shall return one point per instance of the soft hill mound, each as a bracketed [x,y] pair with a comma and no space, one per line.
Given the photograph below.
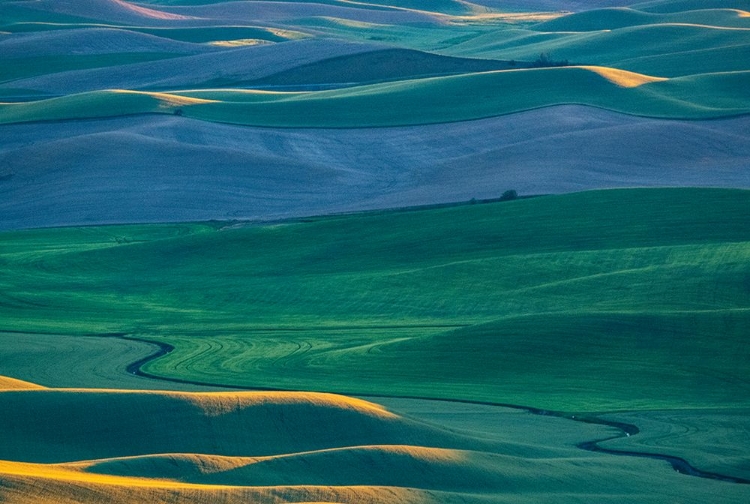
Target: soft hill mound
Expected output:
[25,12]
[435,100]
[285,447]
[34,484]
[90,40]
[281,423]
[382,65]
[663,6]
[535,152]
[665,50]
[442,6]
[52,52]
[211,68]
[118,11]
[385,466]
[602,19]
[288,12]
[612,19]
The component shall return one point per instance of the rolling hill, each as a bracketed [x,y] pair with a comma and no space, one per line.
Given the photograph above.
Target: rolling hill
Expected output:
[168,168]
[310,87]
[483,299]
[254,251]
[286,447]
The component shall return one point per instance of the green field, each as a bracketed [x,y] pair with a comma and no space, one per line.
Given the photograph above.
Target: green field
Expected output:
[179,447]
[576,302]
[712,439]
[18,68]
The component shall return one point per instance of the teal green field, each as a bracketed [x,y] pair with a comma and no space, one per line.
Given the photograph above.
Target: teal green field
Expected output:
[577,304]
[390,251]
[426,101]
[573,303]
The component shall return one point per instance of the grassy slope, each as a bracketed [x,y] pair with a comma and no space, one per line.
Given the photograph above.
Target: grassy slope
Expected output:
[417,36]
[704,47]
[78,362]
[452,6]
[19,13]
[190,448]
[425,101]
[279,447]
[711,439]
[378,66]
[683,5]
[365,304]
[196,35]
[610,19]
[20,68]
[282,423]
[665,50]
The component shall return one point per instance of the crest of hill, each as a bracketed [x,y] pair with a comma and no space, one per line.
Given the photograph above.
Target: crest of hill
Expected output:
[402,461]
[255,12]
[600,19]
[664,6]
[227,424]
[442,6]
[212,69]
[438,6]
[403,466]
[92,40]
[116,11]
[26,12]
[378,66]
[551,5]
[428,101]
[665,50]
[615,18]
[35,485]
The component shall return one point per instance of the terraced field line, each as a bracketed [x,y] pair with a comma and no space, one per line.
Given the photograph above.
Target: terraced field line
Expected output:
[680,465]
